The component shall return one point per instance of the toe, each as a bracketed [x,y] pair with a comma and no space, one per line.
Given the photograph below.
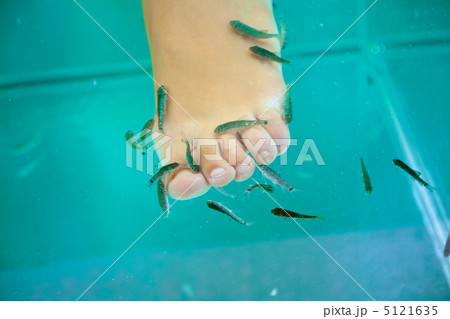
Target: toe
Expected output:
[185,184]
[215,169]
[234,153]
[277,129]
[260,144]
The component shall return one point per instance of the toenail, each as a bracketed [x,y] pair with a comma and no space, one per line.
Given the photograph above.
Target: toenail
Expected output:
[241,169]
[218,172]
[265,154]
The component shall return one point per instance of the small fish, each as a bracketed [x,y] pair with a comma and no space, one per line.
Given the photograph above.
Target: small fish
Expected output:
[224,210]
[163,171]
[282,36]
[268,55]
[266,187]
[366,178]
[190,161]
[162,102]
[224,192]
[274,177]
[235,125]
[287,213]
[147,130]
[286,107]
[244,29]
[163,199]
[447,246]
[410,171]
[130,137]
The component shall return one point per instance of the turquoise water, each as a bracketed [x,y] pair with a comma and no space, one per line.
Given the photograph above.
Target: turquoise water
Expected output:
[70,206]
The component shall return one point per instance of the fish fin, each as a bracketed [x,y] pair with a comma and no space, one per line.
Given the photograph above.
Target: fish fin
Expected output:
[418,173]
[251,224]
[431,188]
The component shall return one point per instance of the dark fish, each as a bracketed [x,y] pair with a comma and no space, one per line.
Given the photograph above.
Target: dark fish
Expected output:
[162,103]
[287,213]
[163,199]
[286,107]
[163,171]
[411,172]
[190,160]
[235,125]
[366,178]
[274,177]
[224,210]
[447,246]
[266,187]
[268,55]
[249,31]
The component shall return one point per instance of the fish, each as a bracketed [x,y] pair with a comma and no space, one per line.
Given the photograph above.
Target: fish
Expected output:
[282,36]
[265,187]
[130,137]
[268,55]
[147,129]
[235,125]
[163,171]
[244,29]
[162,103]
[286,107]
[411,172]
[163,199]
[190,160]
[225,210]
[366,178]
[447,246]
[224,192]
[274,177]
[287,213]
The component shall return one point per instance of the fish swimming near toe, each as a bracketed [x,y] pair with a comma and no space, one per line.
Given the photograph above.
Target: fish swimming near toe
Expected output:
[163,198]
[163,171]
[366,178]
[447,246]
[265,187]
[274,177]
[410,171]
[224,210]
[287,213]
[190,160]
[161,106]
[268,55]
[131,139]
[286,107]
[247,30]
[236,125]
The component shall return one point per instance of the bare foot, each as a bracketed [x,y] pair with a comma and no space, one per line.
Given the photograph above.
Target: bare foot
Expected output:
[213,78]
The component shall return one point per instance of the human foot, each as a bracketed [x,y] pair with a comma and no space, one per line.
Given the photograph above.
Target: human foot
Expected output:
[213,78]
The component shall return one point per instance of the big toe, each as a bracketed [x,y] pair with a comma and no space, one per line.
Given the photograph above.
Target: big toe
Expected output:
[187,184]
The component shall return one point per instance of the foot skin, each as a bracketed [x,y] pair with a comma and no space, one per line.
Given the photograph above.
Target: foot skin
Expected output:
[211,74]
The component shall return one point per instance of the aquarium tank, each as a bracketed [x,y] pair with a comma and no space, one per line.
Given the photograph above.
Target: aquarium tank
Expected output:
[78,220]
